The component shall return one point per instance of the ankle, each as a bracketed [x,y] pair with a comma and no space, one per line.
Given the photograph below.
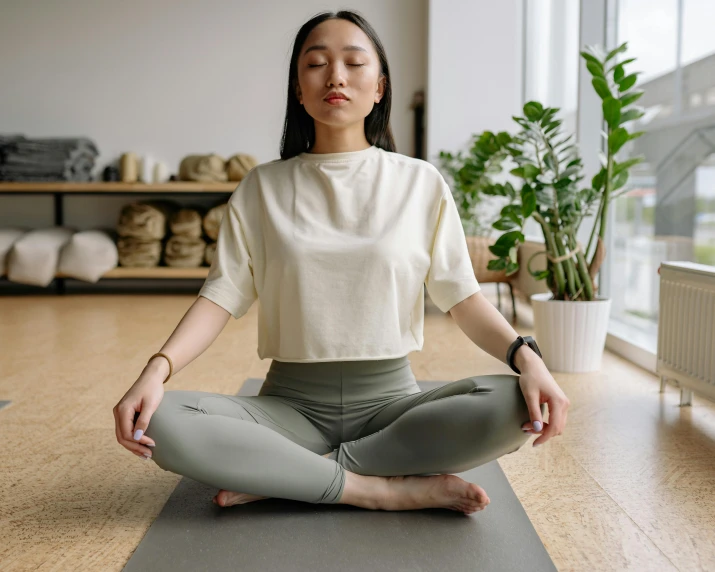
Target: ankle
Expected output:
[364,491]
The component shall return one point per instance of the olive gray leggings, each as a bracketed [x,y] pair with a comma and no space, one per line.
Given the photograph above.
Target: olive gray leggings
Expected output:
[370,414]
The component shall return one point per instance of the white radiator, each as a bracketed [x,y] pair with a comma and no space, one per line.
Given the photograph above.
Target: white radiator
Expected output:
[686,328]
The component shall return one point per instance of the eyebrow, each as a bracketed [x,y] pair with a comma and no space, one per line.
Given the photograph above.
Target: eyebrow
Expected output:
[345,49]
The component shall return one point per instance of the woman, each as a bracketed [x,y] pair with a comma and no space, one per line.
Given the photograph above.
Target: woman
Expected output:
[336,239]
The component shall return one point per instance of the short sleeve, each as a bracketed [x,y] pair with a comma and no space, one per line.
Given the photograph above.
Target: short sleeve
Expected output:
[450,278]
[230,281]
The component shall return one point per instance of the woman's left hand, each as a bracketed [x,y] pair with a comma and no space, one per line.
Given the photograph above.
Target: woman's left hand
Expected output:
[538,386]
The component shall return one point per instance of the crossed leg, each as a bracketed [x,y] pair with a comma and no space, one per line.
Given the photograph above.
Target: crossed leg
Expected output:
[449,429]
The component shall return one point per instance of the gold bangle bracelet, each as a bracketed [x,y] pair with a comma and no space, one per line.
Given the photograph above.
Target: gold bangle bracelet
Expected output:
[171,364]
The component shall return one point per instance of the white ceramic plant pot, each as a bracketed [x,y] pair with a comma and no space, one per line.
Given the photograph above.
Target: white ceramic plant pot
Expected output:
[571,335]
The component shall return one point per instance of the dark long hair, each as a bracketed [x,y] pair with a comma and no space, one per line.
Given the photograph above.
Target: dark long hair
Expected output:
[299,126]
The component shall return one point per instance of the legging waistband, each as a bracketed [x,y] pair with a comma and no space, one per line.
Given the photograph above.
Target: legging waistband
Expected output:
[341,382]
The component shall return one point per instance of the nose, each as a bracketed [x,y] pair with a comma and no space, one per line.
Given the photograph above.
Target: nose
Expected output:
[335,76]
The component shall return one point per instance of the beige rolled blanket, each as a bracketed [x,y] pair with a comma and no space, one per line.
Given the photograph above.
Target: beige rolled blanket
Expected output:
[238,165]
[147,219]
[212,220]
[187,222]
[184,251]
[138,252]
[205,168]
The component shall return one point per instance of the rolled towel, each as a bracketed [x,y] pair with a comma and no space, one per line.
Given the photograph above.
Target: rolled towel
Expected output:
[238,165]
[88,255]
[8,236]
[33,257]
[146,220]
[210,252]
[187,222]
[184,251]
[138,252]
[205,168]
[212,220]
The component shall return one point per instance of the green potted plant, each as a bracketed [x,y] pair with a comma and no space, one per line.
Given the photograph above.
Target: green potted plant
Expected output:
[571,320]
[471,177]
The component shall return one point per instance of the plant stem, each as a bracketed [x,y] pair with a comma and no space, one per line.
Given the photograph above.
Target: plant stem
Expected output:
[583,269]
[593,230]
[606,195]
[568,264]
[558,273]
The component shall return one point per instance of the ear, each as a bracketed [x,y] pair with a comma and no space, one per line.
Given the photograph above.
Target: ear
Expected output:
[298,94]
[380,93]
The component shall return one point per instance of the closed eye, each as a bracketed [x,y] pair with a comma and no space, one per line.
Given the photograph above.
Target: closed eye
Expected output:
[320,65]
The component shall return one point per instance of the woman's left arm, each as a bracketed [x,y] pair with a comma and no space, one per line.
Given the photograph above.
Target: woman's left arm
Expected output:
[487,328]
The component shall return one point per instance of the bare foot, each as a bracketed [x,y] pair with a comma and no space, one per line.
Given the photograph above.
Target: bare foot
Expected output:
[413,492]
[436,491]
[226,498]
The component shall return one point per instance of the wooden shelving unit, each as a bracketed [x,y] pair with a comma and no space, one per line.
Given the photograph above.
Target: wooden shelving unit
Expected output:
[60,189]
[117,188]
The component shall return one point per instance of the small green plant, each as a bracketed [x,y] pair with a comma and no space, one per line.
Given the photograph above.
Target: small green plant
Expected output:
[551,170]
[472,174]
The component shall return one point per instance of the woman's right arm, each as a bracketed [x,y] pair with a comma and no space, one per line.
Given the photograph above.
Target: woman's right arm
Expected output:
[196,331]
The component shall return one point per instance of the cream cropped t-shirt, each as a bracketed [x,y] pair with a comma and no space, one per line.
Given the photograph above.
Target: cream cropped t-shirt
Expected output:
[336,248]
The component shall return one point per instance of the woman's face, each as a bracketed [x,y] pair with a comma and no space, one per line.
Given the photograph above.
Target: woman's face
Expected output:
[338,56]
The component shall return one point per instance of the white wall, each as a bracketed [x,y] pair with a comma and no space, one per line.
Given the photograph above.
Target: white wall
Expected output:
[171,77]
[474,70]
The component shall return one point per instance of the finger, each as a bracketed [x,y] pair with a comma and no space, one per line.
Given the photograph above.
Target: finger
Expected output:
[557,414]
[532,402]
[530,431]
[142,422]
[136,448]
[125,415]
[548,432]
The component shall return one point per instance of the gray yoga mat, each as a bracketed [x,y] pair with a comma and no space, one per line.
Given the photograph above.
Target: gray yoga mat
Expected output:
[192,533]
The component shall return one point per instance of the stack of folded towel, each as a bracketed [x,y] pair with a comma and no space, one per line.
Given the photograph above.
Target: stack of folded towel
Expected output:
[46,159]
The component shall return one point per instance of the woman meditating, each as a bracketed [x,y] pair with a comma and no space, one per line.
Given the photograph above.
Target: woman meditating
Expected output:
[335,240]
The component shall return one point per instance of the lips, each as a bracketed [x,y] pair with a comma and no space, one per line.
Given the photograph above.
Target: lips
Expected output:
[334,96]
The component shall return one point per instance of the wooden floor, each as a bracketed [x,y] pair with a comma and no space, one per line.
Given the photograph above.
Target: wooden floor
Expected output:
[630,485]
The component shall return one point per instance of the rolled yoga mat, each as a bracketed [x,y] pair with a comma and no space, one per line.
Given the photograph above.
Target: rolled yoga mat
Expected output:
[192,533]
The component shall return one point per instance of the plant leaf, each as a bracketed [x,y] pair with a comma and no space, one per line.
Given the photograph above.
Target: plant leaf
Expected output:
[612,111]
[620,49]
[505,224]
[601,87]
[496,264]
[618,73]
[595,67]
[617,139]
[528,202]
[533,110]
[619,180]
[618,167]
[631,97]
[631,115]
[627,82]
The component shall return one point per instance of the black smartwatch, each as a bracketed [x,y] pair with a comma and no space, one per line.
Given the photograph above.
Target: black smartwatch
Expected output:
[520,341]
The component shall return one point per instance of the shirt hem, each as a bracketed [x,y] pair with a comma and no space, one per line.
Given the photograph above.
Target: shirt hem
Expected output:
[341,358]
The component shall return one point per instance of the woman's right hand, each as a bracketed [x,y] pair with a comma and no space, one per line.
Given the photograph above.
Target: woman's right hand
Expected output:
[143,398]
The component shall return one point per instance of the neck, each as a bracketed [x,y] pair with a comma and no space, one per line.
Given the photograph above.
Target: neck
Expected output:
[330,139]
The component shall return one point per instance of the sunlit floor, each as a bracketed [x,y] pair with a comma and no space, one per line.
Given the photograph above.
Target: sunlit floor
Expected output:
[630,485]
